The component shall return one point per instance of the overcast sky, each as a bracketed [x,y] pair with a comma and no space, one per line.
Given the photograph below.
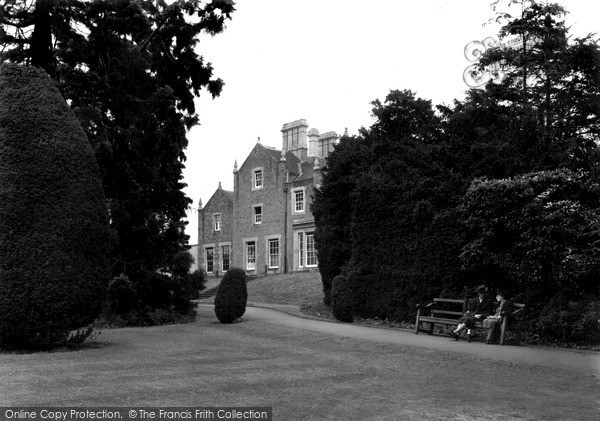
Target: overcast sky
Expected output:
[325,61]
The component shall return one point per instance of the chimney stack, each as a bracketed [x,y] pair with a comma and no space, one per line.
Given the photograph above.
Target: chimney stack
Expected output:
[295,138]
[326,143]
[313,142]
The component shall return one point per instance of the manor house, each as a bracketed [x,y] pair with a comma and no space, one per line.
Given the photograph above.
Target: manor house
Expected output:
[265,224]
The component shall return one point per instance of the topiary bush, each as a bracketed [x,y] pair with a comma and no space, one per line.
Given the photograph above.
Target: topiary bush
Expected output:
[342,299]
[54,231]
[232,295]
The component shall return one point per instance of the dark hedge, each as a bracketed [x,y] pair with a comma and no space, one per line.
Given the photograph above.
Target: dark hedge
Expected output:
[54,231]
[342,299]
[232,295]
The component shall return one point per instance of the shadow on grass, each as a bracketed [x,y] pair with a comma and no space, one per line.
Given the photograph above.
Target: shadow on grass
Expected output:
[86,346]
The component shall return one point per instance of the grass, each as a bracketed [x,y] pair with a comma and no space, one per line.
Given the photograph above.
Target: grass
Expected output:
[299,288]
[294,288]
[305,290]
[303,375]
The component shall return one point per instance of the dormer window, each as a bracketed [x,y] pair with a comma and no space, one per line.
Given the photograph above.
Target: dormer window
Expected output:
[257,178]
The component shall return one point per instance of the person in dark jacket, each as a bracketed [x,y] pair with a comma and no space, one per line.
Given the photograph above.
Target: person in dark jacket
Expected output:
[477,310]
[505,308]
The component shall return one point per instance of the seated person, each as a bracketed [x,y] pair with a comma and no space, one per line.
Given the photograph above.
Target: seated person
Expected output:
[477,309]
[492,322]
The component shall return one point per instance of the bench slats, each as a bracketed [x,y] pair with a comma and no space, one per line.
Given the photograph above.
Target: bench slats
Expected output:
[453,313]
[448,300]
[437,320]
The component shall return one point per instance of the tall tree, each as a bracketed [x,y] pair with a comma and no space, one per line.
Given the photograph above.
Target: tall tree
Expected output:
[398,196]
[131,71]
[551,82]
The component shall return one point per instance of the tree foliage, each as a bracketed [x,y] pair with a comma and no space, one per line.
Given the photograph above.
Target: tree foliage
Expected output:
[130,70]
[539,233]
[400,190]
[55,238]
[552,82]
[332,209]
[342,299]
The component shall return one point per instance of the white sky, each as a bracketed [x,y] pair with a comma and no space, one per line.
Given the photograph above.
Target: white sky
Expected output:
[325,61]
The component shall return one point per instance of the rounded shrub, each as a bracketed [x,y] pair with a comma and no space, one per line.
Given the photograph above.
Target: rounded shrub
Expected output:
[232,295]
[342,299]
[54,231]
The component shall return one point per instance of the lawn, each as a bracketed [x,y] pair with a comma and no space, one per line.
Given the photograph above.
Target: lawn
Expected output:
[303,375]
[299,288]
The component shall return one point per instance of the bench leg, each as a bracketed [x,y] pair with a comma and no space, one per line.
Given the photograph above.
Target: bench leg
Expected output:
[468,335]
[503,330]
[430,331]
[417,322]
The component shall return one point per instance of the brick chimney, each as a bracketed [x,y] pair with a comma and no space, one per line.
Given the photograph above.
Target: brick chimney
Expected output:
[313,142]
[295,138]
[326,143]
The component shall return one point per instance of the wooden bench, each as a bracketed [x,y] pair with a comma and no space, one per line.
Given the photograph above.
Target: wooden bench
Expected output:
[438,312]
[447,311]
[512,318]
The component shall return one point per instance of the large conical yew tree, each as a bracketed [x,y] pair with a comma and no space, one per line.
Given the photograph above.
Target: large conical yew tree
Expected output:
[131,70]
[54,230]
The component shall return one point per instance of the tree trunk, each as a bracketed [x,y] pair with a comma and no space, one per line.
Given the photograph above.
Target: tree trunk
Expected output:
[41,39]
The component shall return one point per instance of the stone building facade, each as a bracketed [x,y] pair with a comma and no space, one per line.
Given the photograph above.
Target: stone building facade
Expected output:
[265,225]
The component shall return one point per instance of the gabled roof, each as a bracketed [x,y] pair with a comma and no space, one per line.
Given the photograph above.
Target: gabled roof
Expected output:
[227,193]
[230,194]
[291,161]
[308,168]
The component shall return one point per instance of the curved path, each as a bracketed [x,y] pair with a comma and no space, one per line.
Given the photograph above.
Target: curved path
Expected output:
[290,316]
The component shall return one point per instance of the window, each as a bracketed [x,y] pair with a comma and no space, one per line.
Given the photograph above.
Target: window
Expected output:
[210,260]
[300,249]
[257,211]
[250,255]
[311,250]
[217,221]
[307,250]
[274,253]
[298,200]
[257,179]
[225,258]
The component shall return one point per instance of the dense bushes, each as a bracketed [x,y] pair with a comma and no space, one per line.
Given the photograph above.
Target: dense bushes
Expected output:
[569,320]
[342,299]
[540,232]
[196,282]
[151,298]
[232,295]
[54,232]
[122,296]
